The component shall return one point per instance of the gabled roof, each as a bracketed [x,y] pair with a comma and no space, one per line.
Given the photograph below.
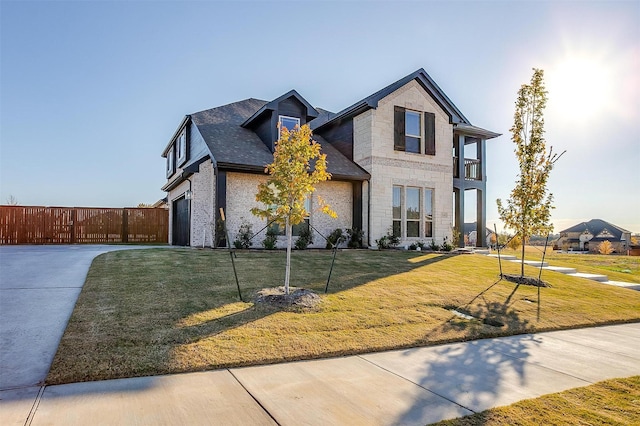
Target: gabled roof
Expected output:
[595,227]
[273,105]
[421,76]
[235,147]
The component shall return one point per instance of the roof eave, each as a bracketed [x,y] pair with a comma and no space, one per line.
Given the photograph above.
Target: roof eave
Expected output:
[175,134]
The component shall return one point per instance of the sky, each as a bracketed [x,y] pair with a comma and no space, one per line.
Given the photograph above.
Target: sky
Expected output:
[92,91]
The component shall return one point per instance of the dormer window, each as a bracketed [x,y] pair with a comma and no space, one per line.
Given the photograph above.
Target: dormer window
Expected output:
[171,164]
[289,122]
[181,147]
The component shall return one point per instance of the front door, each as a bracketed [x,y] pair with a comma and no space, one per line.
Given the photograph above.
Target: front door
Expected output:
[181,222]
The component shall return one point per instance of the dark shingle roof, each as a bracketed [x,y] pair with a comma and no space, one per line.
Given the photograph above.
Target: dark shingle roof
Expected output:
[234,146]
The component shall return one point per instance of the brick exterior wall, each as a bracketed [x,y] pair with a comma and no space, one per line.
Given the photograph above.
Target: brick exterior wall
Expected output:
[374,151]
[202,206]
[241,190]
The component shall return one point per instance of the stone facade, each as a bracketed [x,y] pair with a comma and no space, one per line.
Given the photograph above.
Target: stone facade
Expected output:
[203,218]
[241,190]
[374,151]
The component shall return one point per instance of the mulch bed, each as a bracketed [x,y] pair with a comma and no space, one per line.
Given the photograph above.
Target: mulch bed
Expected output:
[297,299]
[525,280]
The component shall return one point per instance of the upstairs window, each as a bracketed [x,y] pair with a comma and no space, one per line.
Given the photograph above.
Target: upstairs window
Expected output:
[171,163]
[289,122]
[414,131]
[181,147]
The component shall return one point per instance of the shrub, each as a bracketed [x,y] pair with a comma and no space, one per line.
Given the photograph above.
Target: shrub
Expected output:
[433,246]
[605,247]
[305,238]
[355,236]
[271,240]
[446,245]
[244,236]
[388,241]
[335,238]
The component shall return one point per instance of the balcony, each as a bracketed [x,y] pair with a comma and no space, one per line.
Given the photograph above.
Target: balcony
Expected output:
[472,170]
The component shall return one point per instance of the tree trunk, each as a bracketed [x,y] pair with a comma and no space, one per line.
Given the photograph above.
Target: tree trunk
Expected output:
[522,264]
[288,267]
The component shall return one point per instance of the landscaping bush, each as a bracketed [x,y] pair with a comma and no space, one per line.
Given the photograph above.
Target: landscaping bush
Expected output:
[433,246]
[335,238]
[271,240]
[388,241]
[244,236]
[355,236]
[446,245]
[305,238]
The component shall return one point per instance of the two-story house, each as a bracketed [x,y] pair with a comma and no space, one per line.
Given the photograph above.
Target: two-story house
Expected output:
[390,156]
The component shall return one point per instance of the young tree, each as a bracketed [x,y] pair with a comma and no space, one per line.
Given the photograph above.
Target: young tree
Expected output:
[528,210]
[605,247]
[297,167]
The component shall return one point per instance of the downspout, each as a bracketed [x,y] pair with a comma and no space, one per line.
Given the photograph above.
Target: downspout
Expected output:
[190,197]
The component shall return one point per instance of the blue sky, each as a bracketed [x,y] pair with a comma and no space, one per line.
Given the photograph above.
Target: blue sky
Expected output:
[91,92]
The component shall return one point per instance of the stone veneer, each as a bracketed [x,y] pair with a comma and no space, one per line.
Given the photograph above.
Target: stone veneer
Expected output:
[373,150]
[241,190]
[202,206]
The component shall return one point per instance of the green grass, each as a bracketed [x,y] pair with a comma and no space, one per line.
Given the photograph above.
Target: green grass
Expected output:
[612,402]
[157,311]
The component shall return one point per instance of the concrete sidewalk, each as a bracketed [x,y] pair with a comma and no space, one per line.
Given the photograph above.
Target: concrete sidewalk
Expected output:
[409,387]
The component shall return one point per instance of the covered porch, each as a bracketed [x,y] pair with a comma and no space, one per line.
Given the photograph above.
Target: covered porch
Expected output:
[470,174]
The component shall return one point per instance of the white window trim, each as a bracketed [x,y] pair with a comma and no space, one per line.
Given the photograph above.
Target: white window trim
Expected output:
[420,212]
[171,164]
[422,215]
[181,147]
[420,130]
[280,117]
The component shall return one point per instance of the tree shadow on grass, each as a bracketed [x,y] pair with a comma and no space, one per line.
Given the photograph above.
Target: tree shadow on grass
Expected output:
[478,374]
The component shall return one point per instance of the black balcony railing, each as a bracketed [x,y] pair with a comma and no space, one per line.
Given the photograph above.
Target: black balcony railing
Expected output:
[472,170]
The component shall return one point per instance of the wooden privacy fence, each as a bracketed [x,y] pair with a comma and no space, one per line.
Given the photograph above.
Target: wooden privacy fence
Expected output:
[82,225]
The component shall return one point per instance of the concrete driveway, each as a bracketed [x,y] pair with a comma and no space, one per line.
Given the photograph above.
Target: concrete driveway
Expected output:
[39,286]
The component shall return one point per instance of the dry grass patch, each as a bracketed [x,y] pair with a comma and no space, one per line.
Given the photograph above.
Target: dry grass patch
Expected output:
[612,402]
[162,311]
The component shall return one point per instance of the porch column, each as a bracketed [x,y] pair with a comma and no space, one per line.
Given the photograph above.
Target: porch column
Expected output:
[481,218]
[459,219]
[459,153]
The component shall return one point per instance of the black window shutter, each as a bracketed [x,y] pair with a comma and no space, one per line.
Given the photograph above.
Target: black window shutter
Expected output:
[430,133]
[398,128]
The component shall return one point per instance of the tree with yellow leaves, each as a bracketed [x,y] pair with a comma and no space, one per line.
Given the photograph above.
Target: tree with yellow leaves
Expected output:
[298,165]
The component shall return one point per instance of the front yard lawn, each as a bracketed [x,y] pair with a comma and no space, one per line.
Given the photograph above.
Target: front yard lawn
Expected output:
[158,311]
[612,402]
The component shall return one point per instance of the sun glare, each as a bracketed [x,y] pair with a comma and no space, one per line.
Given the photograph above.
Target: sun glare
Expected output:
[580,87]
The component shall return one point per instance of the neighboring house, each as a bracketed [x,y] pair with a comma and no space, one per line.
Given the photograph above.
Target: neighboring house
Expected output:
[470,231]
[389,155]
[586,236]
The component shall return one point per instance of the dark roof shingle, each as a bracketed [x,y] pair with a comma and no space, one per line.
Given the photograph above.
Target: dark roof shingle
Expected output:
[232,145]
